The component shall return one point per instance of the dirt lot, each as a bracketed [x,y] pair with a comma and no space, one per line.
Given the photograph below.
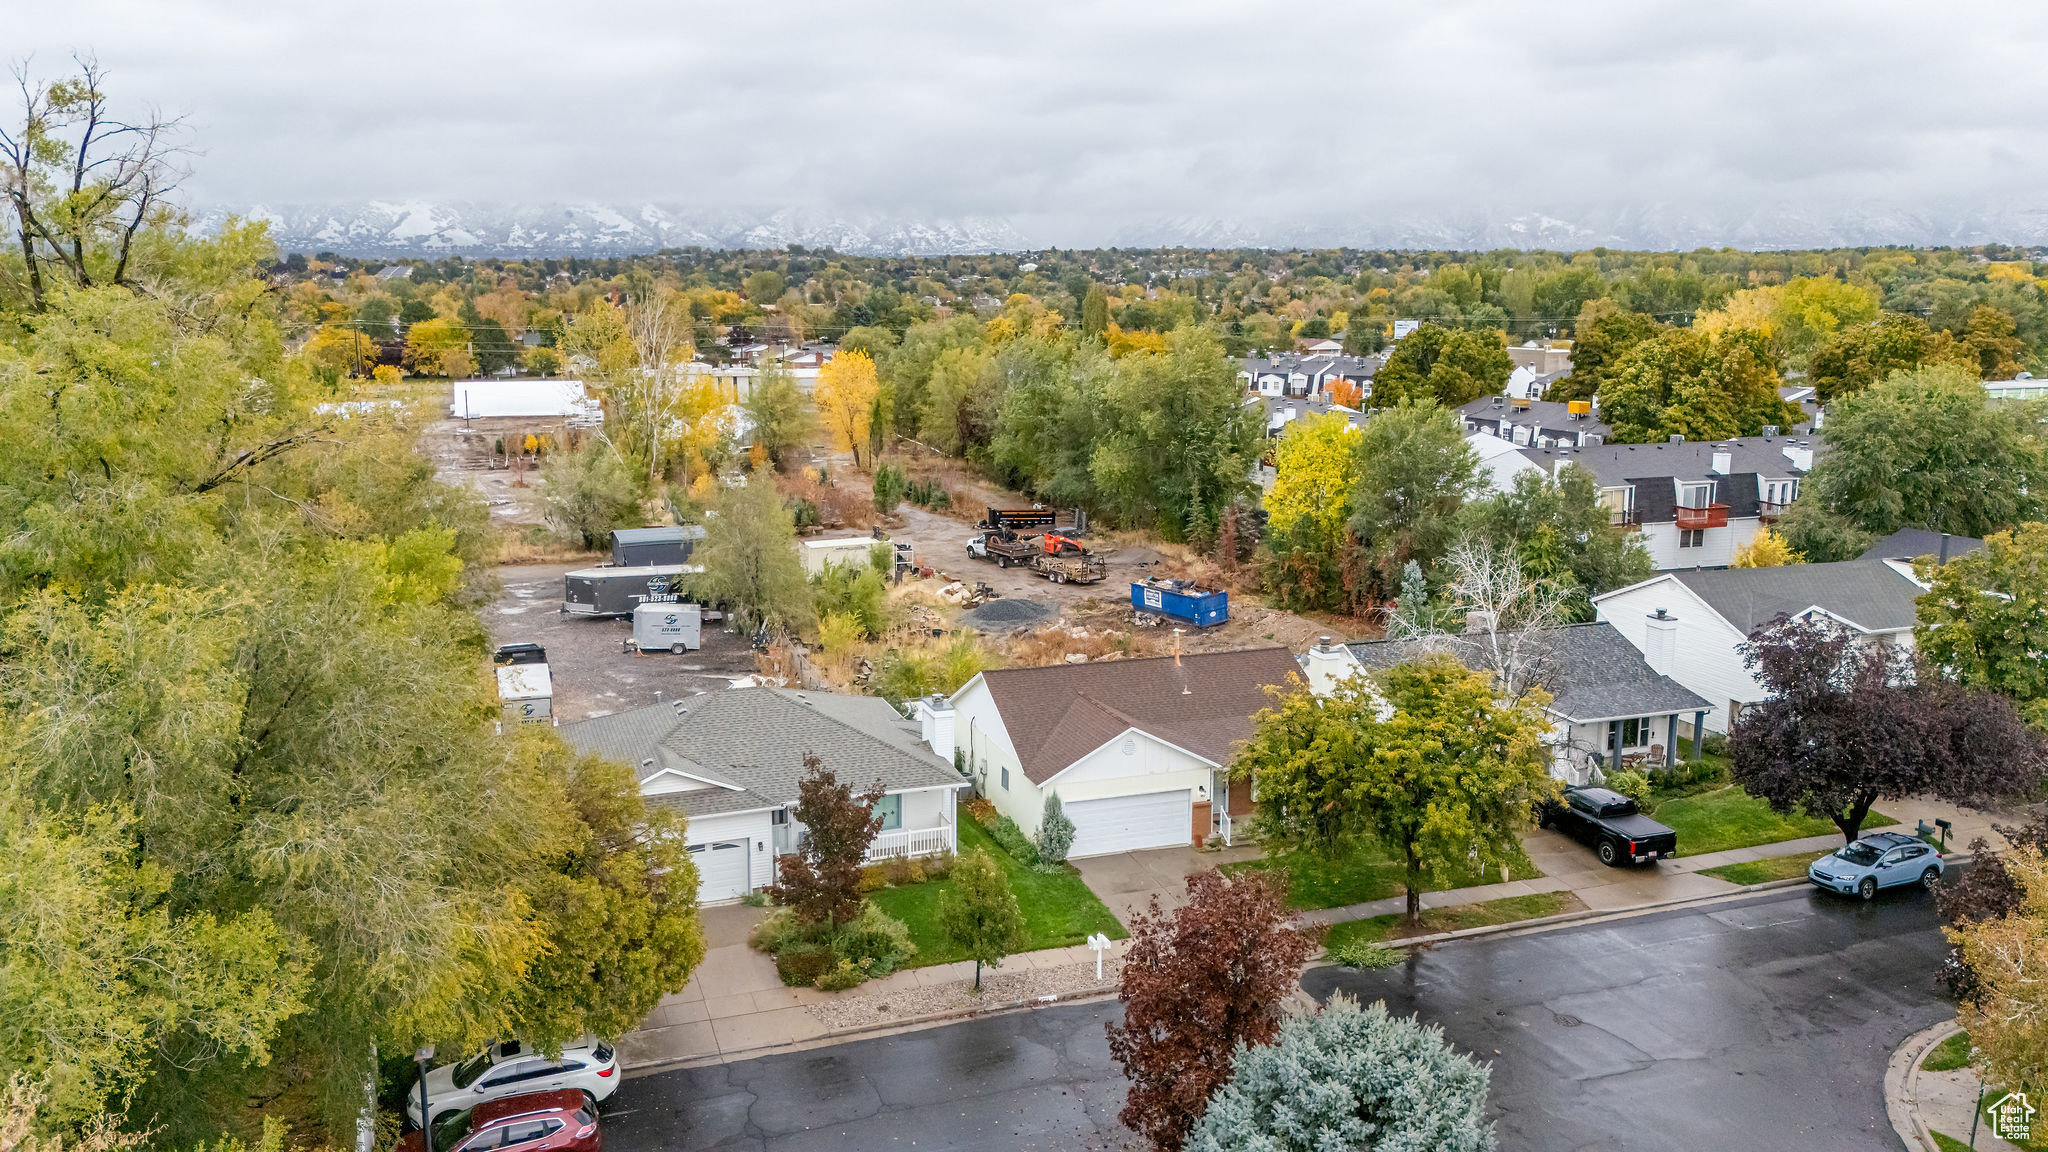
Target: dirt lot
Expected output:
[593,674]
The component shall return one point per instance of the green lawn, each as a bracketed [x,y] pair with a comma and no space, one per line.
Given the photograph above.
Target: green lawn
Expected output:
[1058,909]
[1365,871]
[1948,1143]
[1731,818]
[1379,929]
[1949,1055]
[1765,871]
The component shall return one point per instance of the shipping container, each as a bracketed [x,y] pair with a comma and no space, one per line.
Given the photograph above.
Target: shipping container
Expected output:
[1181,600]
[614,591]
[844,551]
[645,546]
[668,627]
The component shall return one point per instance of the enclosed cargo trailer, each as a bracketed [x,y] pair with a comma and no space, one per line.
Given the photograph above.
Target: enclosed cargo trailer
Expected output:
[655,546]
[615,591]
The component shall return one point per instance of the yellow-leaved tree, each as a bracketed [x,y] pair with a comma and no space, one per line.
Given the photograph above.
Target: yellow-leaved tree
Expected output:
[845,396]
[1312,492]
[439,347]
[1766,550]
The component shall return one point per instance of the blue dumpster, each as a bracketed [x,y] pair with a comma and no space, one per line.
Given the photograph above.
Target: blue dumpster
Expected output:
[1181,600]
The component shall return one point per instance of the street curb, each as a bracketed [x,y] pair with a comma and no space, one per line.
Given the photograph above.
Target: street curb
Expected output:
[906,1024]
[1900,1103]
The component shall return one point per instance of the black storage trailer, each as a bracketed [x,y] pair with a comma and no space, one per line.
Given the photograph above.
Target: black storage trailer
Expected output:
[655,546]
[615,591]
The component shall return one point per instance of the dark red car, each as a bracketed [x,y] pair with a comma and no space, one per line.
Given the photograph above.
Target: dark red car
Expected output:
[535,1122]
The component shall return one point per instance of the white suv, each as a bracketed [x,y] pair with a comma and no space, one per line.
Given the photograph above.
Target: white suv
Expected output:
[510,1068]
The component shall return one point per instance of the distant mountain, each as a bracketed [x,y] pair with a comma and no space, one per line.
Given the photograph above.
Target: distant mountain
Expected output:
[422,228]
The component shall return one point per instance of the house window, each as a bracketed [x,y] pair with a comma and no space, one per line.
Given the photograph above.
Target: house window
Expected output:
[1781,492]
[1692,537]
[1634,733]
[1696,495]
[890,809]
[779,816]
[1006,777]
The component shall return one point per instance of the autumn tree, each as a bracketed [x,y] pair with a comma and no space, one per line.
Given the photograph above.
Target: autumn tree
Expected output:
[1766,549]
[439,347]
[1176,443]
[820,881]
[1989,344]
[2007,1014]
[1425,758]
[979,913]
[1349,1078]
[749,557]
[1605,333]
[845,397]
[1307,509]
[778,416]
[1924,448]
[1447,366]
[1562,532]
[1198,982]
[1701,387]
[1858,356]
[1414,472]
[1983,621]
[1847,724]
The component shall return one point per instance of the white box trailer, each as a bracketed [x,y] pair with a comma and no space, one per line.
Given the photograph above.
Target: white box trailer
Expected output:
[526,693]
[846,551]
[673,627]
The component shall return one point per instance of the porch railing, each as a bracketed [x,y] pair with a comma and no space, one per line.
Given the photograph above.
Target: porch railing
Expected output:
[910,842]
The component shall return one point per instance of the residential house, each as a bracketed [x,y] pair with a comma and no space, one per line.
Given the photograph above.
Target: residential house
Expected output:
[1609,709]
[1500,461]
[1691,624]
[1694,503]
[1323,347]
[730,761]
[1536,423]
[2021,387]
[1137,750]
[1909,544]
[1297,377]
[1544,358]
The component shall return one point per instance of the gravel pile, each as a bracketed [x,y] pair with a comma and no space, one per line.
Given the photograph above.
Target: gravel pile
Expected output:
[870,1006]
[1008,613]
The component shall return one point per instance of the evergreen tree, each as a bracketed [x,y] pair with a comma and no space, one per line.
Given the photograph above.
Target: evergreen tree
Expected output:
[1055,831]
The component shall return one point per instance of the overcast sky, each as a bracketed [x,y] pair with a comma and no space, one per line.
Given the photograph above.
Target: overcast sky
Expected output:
[1082,116]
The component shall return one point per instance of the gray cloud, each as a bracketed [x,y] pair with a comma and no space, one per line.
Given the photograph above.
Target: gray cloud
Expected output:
[1083,120]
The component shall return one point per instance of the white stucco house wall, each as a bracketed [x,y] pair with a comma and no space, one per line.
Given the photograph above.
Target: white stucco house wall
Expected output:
[1137,750]
[730,762]
[1690,625]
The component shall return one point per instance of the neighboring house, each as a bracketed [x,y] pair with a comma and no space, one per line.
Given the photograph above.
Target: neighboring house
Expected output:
[730,762]
[1910,544]
[2022,387]
[1534,423]
[1136,749]
[1304,376]
[1543,359]
[1323,347]
[1500,461]
[1694,503]
[1609,708]
[1281,412]
[1690,625]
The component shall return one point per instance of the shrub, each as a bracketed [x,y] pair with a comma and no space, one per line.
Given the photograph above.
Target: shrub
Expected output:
[1012,840]
[1631,784]
[588,492]
[940,866]
[904,870]
[875,942]
[801,965]
[983,810]
[755,899]
[874,878]
[843,975]
[890,488]
[1055,832]
[1358,952]
[1717,744]
[779,930]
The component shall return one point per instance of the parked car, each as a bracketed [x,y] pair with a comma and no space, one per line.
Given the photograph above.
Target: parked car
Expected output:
[510,1068]
[1611,823]
[1880,860]
[563,1121]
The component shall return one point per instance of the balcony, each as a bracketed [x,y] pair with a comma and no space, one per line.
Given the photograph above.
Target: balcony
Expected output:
[1712,516]
[911,842]
[1623,518]
[1768,512]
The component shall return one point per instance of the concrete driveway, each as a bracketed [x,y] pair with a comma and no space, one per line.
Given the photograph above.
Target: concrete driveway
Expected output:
[1127,881]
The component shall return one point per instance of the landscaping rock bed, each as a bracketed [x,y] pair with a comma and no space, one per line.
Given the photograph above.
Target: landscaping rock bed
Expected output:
[893,1002]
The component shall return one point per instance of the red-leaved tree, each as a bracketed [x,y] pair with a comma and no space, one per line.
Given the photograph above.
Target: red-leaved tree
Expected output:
[1197,982]
[820,881]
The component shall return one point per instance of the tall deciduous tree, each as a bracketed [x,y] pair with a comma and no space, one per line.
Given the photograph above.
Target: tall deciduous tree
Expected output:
[979,913]
[586,492]
[1447,366]
[750,560]
[1861,355]
[2007,958]
[778,416]
[1199,982]
[1094,312]
[1177,442]
[1563,534]
[1983,621]
[1847,724]
[1924,448]
[845,395]
[1605,333]
[1700,387]
[1426,758]
[820,881]
[1414,473]
[1360,1080]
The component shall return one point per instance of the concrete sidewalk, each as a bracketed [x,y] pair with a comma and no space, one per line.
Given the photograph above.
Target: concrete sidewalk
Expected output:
[735,1004]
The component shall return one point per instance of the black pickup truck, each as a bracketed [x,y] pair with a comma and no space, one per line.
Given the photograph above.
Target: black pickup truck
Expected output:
[1611,824]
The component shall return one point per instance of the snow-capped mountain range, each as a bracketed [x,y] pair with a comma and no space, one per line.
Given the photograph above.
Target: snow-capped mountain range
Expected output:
[424,228]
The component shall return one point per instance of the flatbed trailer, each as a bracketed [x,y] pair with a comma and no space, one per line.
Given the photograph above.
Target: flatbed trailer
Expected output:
[1070,565]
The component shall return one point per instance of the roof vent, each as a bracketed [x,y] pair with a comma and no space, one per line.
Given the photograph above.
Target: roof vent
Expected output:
[1770,430]
[1677,438]
[682,709]
[647,763]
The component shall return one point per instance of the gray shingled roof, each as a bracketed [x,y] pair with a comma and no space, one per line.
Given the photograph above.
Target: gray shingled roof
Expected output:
[1549,414]
[1868,593]
[1913,543]
[753,742]
[1616,464]
[1591,671]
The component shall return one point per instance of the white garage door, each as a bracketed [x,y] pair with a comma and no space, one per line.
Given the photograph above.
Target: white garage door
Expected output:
[1122,823]
[721,870]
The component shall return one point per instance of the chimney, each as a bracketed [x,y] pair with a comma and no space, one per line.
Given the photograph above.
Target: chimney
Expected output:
[1770,430]
[1660,641]
[1328,665]
[934,716]
[1478,622]
[1723,461]
[1677,438]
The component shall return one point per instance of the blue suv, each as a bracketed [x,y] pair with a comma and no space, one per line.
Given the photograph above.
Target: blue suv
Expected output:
[1880,860]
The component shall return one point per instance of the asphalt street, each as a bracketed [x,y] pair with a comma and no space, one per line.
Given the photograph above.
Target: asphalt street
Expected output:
[1758,1025]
